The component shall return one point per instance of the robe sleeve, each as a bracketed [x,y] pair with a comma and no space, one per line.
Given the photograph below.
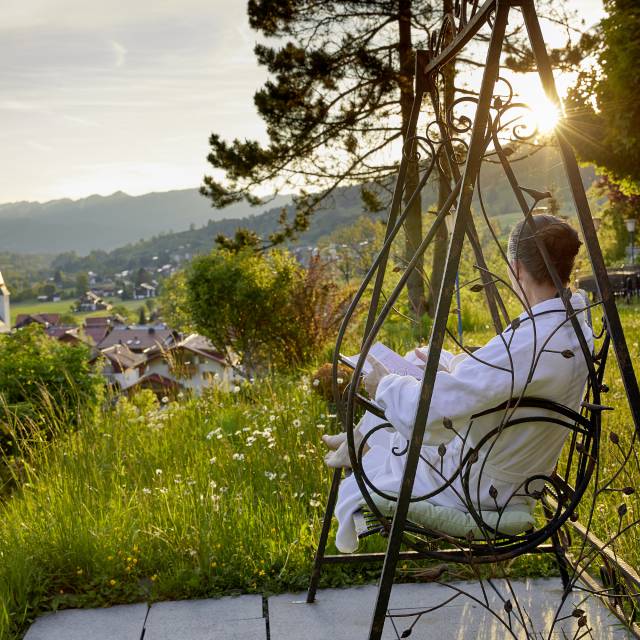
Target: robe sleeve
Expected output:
[473,386]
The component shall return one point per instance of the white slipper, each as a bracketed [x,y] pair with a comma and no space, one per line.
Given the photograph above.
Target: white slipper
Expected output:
[333,442]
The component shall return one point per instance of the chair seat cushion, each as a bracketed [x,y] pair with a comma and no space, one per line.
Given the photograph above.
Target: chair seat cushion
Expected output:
[457,523]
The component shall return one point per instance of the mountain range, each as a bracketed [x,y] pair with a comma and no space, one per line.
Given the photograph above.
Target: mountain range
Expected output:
[130,228]
[106,222]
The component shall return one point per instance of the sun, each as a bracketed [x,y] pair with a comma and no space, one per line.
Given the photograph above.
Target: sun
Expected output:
[545,115]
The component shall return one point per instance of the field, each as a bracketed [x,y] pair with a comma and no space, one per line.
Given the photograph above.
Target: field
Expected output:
[64,307]
[199,497]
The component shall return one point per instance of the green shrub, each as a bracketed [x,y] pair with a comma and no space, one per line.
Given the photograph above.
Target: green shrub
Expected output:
[268,309]
[43,383]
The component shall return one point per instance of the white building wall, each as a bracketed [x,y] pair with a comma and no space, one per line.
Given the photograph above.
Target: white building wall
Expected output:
[203,376]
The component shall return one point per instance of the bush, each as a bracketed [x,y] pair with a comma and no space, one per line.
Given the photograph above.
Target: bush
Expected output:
[267,309]
[43,382]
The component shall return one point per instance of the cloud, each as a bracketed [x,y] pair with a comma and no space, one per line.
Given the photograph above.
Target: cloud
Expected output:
[120,51]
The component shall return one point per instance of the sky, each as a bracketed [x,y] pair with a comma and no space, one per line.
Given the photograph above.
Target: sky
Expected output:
[98,97]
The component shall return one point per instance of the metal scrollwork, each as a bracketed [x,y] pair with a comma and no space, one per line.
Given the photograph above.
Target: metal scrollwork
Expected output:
[574,522]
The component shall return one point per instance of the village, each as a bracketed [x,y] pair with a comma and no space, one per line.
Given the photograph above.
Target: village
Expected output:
[132,357]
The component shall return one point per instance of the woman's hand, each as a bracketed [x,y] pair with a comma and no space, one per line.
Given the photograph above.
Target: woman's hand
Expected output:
[422,356]
[372,379]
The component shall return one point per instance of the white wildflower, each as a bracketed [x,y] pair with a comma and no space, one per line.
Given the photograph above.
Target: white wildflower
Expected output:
[158,472]
[146,490]
[210,435]
[272,417]
[297,423]
[180,395]
[270,475]
[314,503]
[164,400]
[238,456]
[316,382]
[212,460]
[236,389]
[320,426]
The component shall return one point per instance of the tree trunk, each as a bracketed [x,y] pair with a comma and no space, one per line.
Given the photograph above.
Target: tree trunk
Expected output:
[444,181]
[413,221]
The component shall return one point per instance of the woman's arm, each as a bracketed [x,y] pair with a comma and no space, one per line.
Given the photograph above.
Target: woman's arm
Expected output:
[473,386]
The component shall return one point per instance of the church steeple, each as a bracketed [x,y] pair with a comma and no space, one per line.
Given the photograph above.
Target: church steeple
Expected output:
[5,307]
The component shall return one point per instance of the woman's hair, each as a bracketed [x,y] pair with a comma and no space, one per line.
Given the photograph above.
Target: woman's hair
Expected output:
[559,238]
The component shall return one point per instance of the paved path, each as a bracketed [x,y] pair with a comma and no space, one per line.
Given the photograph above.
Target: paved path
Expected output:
[338,614]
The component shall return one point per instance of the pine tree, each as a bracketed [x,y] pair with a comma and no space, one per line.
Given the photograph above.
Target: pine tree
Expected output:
[339,97]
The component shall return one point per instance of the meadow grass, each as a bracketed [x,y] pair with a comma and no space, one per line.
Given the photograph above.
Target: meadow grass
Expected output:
[65,306]
[215,495]
[208,496]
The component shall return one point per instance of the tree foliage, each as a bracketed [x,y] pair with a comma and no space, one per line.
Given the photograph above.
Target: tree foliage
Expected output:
[336,108]
[266,308]
[43,382]
[604,106]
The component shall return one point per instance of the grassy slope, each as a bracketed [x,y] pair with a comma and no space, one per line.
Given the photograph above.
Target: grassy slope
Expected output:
[64,306]
[207,496]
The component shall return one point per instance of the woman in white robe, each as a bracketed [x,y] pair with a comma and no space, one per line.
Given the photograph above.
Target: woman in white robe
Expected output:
[525,360]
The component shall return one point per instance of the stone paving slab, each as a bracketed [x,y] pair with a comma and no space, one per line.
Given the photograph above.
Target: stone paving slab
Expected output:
[345,614]
[123,622]
[229,618]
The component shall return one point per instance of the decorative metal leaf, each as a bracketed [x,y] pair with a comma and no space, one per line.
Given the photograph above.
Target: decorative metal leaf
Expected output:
[614,437]
[493,492]
[577,613]
[515,324]
[447,423]
[508,607]
[628,491]
[442,449]
[406,633]
[567,353]
[622,510]
[476,288]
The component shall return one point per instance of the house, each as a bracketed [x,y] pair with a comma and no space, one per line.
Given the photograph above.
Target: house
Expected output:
[144,290]
[90,301]
[160,385]
[45,319]
[67,333]
[5,307]
[122,367]
[96,329]
[140,338]
[193,363]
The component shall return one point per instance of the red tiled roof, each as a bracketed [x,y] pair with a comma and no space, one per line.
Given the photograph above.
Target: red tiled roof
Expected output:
[62,330]
[138,339]
[97,334]
[42,318]
[156,379]
[123,357]
[101,321]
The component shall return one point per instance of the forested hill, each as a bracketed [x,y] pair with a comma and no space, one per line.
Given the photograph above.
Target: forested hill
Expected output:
[107,222]
[542,171]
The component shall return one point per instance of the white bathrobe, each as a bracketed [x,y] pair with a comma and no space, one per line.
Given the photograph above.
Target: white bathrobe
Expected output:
[466,386]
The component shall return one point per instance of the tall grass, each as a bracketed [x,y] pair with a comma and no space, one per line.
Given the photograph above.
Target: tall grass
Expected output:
[153,501]
[201,497]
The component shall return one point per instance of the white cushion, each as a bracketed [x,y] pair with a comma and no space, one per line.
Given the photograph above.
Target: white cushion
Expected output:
[457,523]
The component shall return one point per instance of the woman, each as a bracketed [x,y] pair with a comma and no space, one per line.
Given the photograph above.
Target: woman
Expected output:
[530,358]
